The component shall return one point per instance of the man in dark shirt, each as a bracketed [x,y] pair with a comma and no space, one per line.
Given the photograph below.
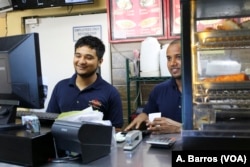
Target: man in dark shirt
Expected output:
[165,98]
[86,87]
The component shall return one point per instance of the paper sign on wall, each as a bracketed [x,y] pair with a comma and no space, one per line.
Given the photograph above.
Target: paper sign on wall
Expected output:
[95,30]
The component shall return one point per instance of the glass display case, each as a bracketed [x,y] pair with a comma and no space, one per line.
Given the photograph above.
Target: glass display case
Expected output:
[216,69]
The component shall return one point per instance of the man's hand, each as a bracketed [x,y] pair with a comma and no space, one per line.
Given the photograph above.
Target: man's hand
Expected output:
[137,122]
[164,125]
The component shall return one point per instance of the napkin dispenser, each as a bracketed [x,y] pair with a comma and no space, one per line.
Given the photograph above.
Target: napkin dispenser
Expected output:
[91,140]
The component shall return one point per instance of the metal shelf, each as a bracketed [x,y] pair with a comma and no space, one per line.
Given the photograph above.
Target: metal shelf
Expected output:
[137,80]
[148,78]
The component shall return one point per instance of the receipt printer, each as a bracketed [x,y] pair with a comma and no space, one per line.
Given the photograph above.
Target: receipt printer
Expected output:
[91,140]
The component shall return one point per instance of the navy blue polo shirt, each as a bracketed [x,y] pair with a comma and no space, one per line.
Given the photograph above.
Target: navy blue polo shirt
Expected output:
[100,95]
[165,98]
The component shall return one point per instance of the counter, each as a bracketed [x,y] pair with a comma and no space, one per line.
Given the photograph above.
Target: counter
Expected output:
[142,156]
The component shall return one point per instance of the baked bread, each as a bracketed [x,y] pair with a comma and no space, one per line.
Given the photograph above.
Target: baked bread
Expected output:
[228,24]
[245,24]
[209,29]
[228,78]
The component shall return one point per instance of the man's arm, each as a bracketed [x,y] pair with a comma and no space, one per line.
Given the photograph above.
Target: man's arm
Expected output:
[115,109]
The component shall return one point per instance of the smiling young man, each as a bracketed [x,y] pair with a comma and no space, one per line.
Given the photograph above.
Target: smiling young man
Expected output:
[86,87]
[165,98]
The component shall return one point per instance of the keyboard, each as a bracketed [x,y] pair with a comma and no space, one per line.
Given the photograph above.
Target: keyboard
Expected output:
[6,127]
[45,118]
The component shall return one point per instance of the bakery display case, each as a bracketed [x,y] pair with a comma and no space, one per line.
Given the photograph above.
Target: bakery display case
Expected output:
[216,69]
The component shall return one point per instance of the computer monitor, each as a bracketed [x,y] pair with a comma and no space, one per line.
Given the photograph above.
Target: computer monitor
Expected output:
[21,82]
[5,6]
[35,4]
[73,2]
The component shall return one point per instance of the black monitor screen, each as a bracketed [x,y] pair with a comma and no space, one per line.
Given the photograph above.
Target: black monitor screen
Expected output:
[78,1]
[34,4]
[20,71]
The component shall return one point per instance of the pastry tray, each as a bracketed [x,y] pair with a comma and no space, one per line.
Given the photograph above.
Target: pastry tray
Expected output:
[223,38]
[223,85]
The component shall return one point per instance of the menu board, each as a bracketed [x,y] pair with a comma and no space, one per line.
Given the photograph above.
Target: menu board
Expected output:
[175,17]
[133,19]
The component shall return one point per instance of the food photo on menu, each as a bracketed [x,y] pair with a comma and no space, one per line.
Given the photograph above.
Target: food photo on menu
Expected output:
[137,18]
[128,4]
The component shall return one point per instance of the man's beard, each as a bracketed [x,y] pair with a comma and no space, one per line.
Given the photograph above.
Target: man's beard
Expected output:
[177,77]
[87,75]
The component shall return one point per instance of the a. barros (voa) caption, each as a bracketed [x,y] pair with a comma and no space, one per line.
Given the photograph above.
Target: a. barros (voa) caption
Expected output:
[208,158]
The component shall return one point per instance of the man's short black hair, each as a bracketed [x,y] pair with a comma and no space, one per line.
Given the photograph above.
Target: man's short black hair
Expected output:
[93,43]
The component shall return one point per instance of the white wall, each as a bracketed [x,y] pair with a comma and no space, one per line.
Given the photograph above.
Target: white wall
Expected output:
[57,46]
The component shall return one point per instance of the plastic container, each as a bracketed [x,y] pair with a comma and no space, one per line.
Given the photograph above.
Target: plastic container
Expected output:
[149,58]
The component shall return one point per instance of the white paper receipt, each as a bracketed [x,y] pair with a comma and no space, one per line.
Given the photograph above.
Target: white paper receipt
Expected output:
[152,116]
